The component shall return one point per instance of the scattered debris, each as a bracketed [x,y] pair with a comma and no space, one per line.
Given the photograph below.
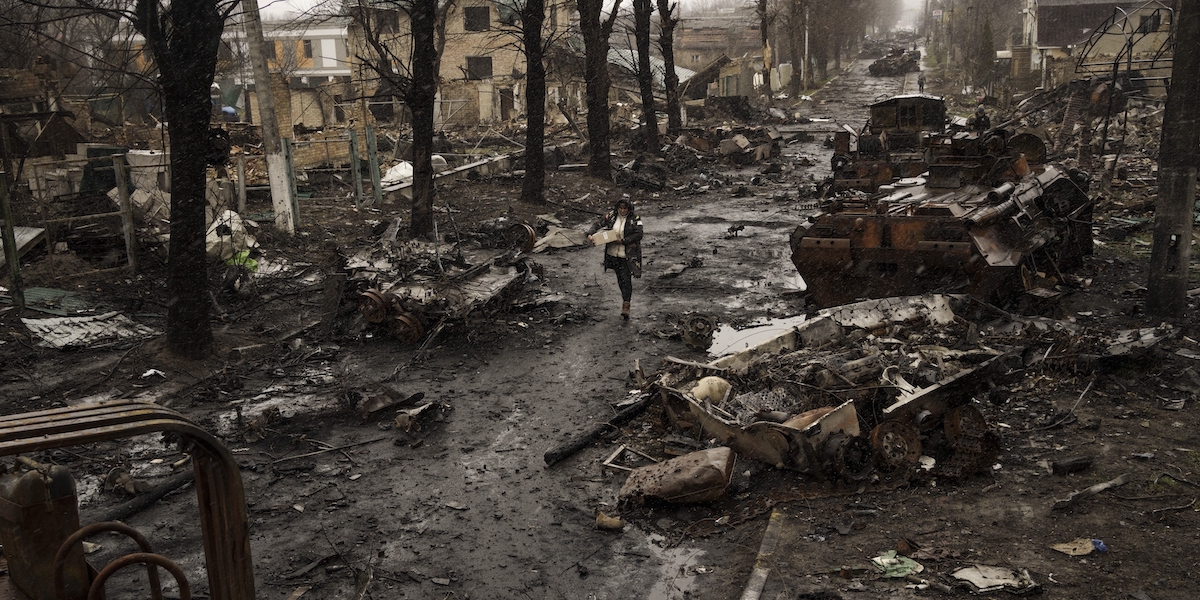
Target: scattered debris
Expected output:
[1080,547]
[607,523]
[701,476]
[985,579]
[99,331]
[1091,491]
[891,564]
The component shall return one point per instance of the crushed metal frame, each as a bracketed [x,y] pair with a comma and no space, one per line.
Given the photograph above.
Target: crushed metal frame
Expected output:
[221,497]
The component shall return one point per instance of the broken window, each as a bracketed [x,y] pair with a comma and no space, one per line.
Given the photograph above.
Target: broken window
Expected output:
[1150,23]
[477,18]
[271,51]
[479,67]
[308,51]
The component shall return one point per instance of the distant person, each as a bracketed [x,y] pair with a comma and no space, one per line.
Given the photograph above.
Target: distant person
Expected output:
[623,256]
[921,82]
[980,122]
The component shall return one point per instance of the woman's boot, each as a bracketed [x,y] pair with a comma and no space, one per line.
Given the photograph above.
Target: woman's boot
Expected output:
[625,311]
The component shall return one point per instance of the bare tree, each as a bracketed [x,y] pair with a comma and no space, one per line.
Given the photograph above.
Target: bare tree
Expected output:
[533,15]
[413,75]
[183,38]
[668,19]
[642,9]
[766,16]
[596,32]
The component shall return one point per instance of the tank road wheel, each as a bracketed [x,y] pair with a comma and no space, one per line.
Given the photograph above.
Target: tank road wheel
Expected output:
[964,422]
[849,457]
[373,306]
[406,328]
[897,445]
[521,236]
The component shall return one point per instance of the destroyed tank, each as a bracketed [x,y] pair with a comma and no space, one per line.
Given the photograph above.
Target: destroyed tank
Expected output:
[980,221]
[897,62]
[891,144]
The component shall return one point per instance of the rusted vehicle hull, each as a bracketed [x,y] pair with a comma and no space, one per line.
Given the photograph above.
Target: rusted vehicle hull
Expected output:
[987,242]
[852,439]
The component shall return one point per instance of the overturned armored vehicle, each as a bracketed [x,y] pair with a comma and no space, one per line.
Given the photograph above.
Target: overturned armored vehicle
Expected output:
[981,220]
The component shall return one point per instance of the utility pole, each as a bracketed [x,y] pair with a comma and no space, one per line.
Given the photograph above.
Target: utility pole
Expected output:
[277,169]
[1171,251]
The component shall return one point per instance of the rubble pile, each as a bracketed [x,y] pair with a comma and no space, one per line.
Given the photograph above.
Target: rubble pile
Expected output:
[410,288]
[906,380]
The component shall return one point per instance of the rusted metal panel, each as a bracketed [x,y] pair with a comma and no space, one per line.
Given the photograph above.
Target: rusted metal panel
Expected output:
[221,496]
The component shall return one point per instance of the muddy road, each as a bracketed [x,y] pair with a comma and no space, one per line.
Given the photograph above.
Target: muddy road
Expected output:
[464,506]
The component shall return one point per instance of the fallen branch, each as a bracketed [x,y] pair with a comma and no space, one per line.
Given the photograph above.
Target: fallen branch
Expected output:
[1174,508]
[129,508]
[333,449]
[1092,491]
[581,441]
[1176,478]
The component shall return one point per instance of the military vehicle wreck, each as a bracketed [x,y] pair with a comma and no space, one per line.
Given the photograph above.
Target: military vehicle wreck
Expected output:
[897,62]
[771,402]
[981,218]
[896,387]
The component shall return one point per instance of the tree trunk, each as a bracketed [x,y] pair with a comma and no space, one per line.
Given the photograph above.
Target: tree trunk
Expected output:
[641,33]
[795,39]
[186,59]
[532,16]
[420,97]
[764,28]
[1171,246]
[666,43]
[595,47]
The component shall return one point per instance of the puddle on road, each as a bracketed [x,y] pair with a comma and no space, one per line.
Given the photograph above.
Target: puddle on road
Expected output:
[727,340]
[677,574]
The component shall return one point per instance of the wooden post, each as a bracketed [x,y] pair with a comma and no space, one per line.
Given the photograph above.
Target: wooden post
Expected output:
[241,189]
[374,164]
[126,212]
[356,167]
[10,245]
[291,175]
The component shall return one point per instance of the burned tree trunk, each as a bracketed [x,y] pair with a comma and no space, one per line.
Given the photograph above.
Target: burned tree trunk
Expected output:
[666,43]
[532,16]
[420,97]
[595,46]
[641,33]
[1171,249]
[183,38]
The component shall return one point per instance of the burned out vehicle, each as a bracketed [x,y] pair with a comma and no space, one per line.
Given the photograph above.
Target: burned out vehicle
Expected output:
[892,144]
[897,62]
[983,219]
[812,400]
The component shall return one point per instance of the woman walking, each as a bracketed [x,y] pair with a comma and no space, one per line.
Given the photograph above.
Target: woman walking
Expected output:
[624,255]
